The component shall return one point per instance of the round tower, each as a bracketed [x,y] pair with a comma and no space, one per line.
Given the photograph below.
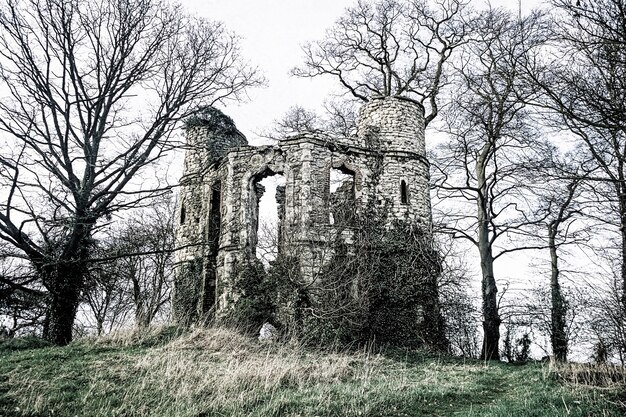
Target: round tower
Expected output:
[210,135]
[393,127]
[398,122]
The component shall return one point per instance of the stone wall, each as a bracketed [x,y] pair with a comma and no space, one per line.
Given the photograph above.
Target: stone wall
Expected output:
[387,160]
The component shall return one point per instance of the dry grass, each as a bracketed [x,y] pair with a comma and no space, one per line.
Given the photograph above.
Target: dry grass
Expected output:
[133,337]
[599,375]
[219,372]
[223,362]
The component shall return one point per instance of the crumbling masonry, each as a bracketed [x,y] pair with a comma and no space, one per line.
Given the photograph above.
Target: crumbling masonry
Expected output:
[219,198]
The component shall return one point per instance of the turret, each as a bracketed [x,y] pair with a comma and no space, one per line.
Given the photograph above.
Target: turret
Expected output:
[398,122]
[394,126]
[210,135]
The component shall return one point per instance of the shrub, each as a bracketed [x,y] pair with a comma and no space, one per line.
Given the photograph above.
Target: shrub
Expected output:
[252,302]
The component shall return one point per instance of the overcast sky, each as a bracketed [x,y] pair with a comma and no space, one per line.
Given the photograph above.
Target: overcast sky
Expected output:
[272,32]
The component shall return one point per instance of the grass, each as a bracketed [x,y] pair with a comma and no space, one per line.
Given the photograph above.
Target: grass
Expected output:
[217,372]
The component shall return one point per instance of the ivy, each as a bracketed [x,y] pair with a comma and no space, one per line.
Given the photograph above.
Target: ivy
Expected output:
[212,119]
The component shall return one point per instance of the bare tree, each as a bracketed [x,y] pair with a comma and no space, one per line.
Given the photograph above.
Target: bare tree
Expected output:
[340,117]
[458,306]
[583,81]
[390,47]
[608,320]
[147,245]
[134,273]
[604,320]
[493,142]
[106,295]
[337,120]
[566,206]
[297,119]
[536,308]
[564,215]
[92,93]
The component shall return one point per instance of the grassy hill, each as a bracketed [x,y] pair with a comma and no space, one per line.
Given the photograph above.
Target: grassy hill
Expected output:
[217,372]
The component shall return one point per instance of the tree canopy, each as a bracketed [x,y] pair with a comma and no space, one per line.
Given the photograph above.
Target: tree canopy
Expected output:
[91,94]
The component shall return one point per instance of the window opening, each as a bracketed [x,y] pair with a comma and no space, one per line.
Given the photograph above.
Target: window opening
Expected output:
[214,232]
[183,214]
[342,196]
[270,208]
[404,192]
[215,216]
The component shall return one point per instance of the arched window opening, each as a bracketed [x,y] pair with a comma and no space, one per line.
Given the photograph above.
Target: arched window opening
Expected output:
[269,193]
[342,196]
[404,192]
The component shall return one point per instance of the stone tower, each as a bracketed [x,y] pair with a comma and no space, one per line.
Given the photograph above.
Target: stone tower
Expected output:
[394,126]
[384,166]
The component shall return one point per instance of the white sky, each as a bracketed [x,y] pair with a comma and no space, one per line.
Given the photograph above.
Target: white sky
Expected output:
[272,32]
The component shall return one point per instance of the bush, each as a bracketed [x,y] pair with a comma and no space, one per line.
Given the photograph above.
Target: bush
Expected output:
[382,288]
[252,302]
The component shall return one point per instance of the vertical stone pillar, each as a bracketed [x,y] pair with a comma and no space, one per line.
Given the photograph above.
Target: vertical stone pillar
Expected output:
[210,135]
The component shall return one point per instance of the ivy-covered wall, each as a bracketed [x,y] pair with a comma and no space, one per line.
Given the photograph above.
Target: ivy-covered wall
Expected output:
[390,179]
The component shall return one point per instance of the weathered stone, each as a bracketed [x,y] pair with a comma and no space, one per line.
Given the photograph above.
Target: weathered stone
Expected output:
[220,191]
[268,333]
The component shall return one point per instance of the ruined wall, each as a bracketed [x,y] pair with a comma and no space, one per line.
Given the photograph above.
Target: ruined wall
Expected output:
[220,182]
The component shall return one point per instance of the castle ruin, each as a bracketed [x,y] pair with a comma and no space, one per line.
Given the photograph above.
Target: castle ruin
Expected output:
[383,165]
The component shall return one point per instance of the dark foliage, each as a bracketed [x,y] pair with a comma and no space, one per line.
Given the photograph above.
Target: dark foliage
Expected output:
[213,119]
[252,303]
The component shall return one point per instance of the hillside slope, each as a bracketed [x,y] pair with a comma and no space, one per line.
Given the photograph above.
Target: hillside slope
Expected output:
[218,372]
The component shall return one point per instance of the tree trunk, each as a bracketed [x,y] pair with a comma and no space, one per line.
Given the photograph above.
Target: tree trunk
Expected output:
[99,326]
[491,318]
[64,275]
[65,282]
[142,317]
[620,189]
[559,306]
[623,260]
[140,309]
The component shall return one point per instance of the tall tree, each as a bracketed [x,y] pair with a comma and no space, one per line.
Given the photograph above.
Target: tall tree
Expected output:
[585,85]
[390,48]
[492,143]
[564,213]
[91,93]
[561,201]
